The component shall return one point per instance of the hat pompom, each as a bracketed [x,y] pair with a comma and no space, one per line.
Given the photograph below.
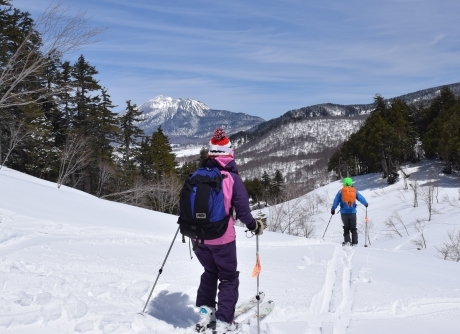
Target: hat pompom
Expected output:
[219,138]
[220,144]
[219,134]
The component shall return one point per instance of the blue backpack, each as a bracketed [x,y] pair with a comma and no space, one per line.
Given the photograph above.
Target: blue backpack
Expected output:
[201,203]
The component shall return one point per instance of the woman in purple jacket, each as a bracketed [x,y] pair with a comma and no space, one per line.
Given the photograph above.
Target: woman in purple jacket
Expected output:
[218,256]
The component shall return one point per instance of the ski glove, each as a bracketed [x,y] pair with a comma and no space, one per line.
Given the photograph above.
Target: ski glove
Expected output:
[259,229]
[367,205]
[332,212]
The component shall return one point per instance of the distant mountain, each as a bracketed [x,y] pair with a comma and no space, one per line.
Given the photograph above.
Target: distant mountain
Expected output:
[190,121]
[300,142]
[421,97]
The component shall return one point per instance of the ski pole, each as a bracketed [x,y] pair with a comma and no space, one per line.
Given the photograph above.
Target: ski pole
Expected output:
[160,271]
[368,236]
[256,272]
[257,294]
[327,227]
[366,231]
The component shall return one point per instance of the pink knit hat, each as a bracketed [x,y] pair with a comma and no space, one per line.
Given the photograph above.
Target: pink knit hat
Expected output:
[220,144]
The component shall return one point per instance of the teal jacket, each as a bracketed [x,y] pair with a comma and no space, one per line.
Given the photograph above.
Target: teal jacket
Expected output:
[345,208]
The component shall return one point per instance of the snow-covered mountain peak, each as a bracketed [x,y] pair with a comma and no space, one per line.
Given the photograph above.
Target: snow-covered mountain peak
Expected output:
[169,106]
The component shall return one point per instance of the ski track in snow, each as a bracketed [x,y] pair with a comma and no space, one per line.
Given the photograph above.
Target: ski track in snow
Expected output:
[331,308]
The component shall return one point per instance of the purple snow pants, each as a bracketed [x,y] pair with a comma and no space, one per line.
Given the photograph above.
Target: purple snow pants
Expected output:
[219,262]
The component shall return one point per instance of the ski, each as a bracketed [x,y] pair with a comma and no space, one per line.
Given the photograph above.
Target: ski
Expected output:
[265,309]
[249,304]
[241,309]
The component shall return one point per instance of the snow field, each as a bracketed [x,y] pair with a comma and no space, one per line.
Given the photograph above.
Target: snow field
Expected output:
[72,263]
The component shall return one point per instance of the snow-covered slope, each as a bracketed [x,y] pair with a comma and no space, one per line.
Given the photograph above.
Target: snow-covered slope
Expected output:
[187,120]
[70,262]
[300,150]
[300,142]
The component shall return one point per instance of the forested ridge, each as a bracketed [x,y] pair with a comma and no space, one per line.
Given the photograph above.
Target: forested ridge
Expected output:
[397,132]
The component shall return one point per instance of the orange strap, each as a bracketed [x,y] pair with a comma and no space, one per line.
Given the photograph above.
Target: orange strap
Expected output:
[257,268]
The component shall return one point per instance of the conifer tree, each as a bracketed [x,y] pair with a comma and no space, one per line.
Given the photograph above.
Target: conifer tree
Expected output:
[254,189]
[277,184]
[266,185]
[48,103]
[104,127]
[144,158]
[65,96]
[444,101]
[257,189]
[163,160]
[130,132]
[203,154]
[85,84]
[442,135]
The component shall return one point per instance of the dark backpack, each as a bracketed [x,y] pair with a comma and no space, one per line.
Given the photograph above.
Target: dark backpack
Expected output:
[201,203]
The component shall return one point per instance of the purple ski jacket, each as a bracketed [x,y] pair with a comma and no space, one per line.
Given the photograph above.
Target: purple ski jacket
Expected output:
[235,196]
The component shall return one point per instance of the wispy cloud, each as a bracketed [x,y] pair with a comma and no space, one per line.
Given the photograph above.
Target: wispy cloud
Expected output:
[266,57]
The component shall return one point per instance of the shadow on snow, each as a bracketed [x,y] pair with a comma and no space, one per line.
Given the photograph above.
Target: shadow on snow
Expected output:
[173,308]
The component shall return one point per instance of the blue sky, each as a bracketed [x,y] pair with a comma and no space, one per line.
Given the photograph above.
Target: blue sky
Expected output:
[267,57]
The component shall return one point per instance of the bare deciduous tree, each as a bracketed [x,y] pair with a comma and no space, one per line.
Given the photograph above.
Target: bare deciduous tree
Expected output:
[399,219]
[285,216]
[161,195]
[105,172]
[17,133]
[436,170]
[73,157]
[294,216]
[420,242]
[390,224]
[307,227]
[450,249]
[451,201]
[414,186]
[428,198]
[405,177]
[136,195]
[59,35]
[164,194]
[402,197]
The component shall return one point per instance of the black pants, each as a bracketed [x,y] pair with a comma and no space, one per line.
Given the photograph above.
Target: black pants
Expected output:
[349,225]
